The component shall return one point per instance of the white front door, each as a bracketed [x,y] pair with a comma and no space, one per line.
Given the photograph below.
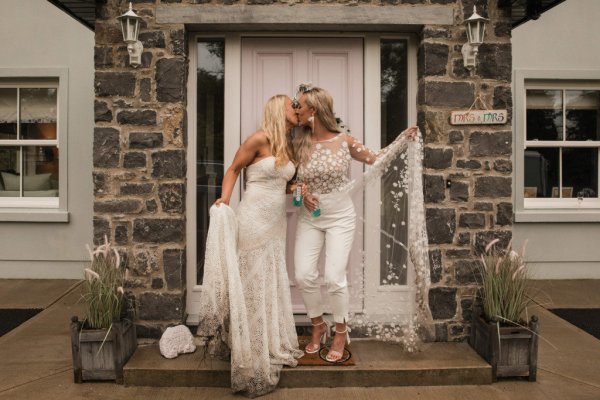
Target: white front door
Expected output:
[273,66]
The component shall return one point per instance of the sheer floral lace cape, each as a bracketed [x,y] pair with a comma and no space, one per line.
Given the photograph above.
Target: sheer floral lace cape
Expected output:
[404,255]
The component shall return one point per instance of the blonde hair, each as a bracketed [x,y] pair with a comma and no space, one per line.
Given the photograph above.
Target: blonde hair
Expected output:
[274,126]
[322,102]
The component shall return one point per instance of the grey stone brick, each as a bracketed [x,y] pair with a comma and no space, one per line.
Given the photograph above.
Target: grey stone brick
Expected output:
[106,147]
[434,188]
[493,186]
[441,225]
[115,84]
[442,302]
[164,230]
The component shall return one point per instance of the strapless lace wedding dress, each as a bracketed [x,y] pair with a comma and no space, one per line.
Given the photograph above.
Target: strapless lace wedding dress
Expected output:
[261,336]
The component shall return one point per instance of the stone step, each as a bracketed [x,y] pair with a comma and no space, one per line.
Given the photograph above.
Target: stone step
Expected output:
[377,364]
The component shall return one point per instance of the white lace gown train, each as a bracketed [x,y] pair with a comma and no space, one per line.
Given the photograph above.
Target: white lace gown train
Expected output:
[267,321]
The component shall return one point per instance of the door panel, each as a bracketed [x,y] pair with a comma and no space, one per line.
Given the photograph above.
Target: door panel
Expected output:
[273,66]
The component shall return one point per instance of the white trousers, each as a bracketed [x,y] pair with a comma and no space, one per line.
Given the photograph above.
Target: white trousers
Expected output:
[334,228]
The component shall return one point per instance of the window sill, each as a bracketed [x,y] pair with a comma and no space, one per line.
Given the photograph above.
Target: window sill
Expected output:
[33,215]
[558,215]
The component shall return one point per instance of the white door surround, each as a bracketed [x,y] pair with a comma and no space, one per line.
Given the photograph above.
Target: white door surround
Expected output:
[398,297]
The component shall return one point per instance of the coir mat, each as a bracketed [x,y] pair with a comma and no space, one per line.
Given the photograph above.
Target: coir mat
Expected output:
[318,359]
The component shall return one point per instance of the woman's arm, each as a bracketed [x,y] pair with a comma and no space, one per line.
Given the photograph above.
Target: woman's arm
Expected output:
[247,152]
[361,153]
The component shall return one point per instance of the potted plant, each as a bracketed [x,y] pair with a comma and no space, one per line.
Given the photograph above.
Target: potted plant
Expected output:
[500,333]
[106,338]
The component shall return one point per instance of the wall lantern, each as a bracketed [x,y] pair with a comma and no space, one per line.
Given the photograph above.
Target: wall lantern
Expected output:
[130,25]
[475,32]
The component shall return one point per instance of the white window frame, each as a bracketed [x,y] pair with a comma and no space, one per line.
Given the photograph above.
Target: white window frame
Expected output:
[40,209]
[549,209]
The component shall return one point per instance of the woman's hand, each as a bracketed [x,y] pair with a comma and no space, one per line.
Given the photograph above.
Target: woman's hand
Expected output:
[220,201]
[310,202]
[411,132]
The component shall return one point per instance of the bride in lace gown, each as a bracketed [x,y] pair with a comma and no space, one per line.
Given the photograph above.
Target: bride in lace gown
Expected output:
[258,327]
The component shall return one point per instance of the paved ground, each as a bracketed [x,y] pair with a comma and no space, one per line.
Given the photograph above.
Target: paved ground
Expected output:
[36,357]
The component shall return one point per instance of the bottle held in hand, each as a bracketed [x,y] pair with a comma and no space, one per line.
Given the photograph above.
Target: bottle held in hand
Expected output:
[297,197]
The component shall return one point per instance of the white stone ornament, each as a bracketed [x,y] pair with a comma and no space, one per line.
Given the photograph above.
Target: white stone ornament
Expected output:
[176,340]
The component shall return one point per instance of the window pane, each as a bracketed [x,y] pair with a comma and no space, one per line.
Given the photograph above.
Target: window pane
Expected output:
[583,112]
[38,114]
[394,109]
[41,171]
[541,171]
[10,184]
[209,151]
[544,115]
[8,114]
[580,172]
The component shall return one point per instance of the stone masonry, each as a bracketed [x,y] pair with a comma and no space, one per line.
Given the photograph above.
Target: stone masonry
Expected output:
[140,155]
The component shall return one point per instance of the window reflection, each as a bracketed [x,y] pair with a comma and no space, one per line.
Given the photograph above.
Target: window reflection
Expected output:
[209,150]
[544,115]
[582,114]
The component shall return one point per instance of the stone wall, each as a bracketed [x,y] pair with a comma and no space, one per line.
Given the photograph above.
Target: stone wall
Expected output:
[468,169]
[140,155]
[140,160]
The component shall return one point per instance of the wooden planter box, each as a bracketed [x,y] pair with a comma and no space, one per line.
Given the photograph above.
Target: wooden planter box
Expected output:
[93,361]
[511,351]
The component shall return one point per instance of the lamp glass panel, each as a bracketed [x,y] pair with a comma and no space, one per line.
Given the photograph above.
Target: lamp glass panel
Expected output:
[130,30]
[123,22]
[481,31]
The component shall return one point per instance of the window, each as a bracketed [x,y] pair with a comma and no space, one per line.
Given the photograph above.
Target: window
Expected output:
[210,111]
[394,119]
[562,141]
[29,150]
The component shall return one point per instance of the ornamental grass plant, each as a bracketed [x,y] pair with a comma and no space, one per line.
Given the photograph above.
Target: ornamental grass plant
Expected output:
[505,284]
[103,295]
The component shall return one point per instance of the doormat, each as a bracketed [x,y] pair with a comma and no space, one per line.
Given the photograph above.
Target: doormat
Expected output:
[318,359]
[587,319]
[11,318]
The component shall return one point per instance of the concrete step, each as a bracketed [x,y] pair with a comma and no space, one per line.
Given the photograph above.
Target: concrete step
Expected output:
[377,364]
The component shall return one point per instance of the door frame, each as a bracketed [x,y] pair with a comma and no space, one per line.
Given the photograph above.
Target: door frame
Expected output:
[232,137]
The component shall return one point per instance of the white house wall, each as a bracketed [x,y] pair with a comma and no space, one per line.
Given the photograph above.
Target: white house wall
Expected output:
[565,38]
[36,34]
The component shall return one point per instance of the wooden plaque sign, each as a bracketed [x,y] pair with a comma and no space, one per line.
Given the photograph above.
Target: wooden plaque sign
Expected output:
[478,117]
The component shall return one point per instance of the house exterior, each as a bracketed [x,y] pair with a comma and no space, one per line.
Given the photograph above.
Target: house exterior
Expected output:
[208,67]
[46,121]
[164,132]
[557,71]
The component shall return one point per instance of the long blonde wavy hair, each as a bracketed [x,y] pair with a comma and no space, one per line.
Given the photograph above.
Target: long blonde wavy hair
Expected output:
[274,126]
[322,102]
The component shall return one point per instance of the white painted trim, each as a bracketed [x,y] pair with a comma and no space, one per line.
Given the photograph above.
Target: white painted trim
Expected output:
[28,269]
[190,220]
[232,133]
